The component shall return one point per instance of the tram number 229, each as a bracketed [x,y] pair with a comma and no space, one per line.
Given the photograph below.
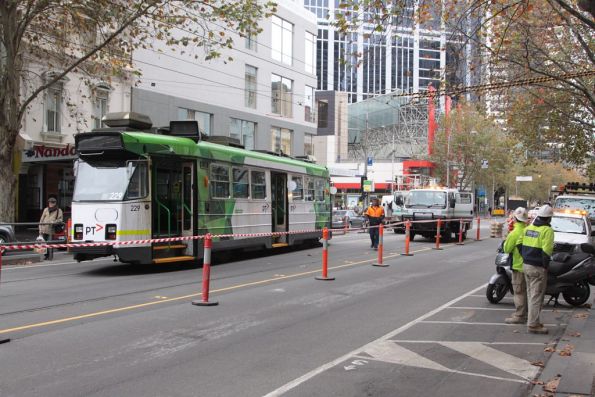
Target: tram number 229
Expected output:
[135,208]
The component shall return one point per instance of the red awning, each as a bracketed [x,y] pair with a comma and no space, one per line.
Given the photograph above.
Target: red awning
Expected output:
[352,185]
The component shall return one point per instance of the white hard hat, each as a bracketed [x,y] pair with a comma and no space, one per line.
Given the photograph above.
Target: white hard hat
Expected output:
[521,214]
[545,212]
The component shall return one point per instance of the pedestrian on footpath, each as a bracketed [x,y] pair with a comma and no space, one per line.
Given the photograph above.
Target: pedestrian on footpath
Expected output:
[375,216]
[50,215]
[537,248]
[519,286]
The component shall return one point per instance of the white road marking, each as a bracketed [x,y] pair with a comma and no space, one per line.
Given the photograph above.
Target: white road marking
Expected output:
[296,382]
[389,352]
[485,343]
[504,309]
[480,323]
[496,358]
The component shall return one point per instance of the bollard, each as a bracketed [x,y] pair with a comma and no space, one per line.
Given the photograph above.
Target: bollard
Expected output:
[1,253]
[380,247]
[461,229]
[206,274]
[477,235]
[407,238]
[438,226]
[324,276]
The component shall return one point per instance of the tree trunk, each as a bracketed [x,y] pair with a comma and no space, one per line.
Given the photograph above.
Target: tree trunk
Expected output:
[8,187]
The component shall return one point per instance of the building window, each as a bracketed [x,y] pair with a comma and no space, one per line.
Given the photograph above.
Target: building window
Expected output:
[250,89]
[258,185]
[282,40]
[281,140]
[308,145]
[204,119]
[100,101]
[281,96]
[322,114]
[53,105]
[310,55]
[243,131]
[251,42]
[309,114]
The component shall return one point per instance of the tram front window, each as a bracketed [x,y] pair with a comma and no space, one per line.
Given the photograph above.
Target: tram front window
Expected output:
[111,181]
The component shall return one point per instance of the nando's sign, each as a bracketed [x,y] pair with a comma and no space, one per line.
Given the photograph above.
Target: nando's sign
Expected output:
[46,153]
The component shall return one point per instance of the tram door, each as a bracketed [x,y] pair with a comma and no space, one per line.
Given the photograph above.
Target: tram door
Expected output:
[279,205]
[167,200]
[187,213]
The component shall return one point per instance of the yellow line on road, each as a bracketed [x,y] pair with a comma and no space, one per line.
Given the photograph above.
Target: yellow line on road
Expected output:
[177,298]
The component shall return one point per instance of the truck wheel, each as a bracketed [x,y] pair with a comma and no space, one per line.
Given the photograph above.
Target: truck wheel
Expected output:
[411,236]
[446,235]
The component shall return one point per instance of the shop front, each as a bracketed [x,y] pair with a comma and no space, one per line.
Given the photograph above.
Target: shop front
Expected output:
[46,170]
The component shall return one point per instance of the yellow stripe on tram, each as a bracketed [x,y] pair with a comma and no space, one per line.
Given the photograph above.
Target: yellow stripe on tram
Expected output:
[132,232]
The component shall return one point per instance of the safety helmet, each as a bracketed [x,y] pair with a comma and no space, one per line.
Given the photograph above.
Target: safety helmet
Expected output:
[521,214]
[545,212]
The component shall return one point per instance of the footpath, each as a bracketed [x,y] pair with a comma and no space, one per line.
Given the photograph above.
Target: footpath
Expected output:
[570,371]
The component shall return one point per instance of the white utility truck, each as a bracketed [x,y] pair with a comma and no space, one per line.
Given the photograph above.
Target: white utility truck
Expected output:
[433,203]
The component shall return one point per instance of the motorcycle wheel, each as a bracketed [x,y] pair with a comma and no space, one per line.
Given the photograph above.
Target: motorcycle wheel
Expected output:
[592,280]
[578,294]
[495,292]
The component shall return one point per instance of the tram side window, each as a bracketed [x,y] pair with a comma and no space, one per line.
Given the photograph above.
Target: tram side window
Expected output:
[309,189]
[319,190]
[298,193]
[259,185]
[137,187]
[219,181]
[240,183]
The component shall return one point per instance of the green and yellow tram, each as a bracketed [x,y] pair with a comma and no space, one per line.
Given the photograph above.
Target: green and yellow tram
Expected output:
[133,184]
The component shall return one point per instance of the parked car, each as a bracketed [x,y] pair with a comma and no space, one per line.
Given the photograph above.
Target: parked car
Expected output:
[7,234]
[351,217]
[571,229]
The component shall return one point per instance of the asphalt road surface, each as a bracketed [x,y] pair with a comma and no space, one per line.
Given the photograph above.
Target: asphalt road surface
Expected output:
[421,326]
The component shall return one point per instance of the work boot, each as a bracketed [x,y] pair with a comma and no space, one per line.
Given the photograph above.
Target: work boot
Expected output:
[515,320]
[537,329]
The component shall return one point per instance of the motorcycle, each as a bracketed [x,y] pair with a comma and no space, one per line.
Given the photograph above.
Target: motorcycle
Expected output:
[569,275]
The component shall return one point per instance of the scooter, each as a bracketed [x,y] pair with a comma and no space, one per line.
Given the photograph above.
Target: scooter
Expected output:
[568,275]
[501,282]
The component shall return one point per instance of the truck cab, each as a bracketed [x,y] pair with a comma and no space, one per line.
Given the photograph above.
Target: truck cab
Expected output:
[453,208]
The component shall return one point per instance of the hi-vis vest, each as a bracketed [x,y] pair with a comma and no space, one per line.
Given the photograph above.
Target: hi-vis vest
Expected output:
[375,214]
[537,245]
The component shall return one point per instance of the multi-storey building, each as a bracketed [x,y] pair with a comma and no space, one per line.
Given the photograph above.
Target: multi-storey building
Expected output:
[264,97]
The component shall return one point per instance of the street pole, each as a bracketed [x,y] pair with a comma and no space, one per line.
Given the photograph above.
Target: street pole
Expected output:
[365,162]
[448,161]
[392,166]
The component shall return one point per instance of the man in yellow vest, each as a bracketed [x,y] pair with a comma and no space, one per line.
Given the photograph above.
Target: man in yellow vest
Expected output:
[375,215]
[519,286]
[537,248]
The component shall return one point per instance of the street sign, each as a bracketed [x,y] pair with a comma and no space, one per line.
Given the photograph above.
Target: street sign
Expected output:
[370,161]
[484,164]
[520,178]
[368,186]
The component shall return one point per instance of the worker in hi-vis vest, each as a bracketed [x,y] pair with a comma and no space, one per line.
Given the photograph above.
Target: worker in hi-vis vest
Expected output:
[375,215]
[537,248]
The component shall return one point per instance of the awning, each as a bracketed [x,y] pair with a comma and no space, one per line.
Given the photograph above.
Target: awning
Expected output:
[351,185]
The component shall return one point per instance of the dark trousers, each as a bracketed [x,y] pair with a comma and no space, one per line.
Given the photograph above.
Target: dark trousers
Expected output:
[374,236]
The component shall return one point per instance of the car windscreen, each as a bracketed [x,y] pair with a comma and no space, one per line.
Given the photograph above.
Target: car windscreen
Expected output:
[110,181]
[568,225]
[577,203]
[426,199]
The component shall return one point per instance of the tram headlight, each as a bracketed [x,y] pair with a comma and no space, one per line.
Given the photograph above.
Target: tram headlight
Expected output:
[110,232]
[78,231]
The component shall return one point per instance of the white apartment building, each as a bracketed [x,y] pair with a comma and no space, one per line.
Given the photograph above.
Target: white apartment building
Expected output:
[264,97]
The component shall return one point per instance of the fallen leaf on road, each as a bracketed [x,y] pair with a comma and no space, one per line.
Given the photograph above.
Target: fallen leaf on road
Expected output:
[574,334]
[549,349]
[567,350]
[552,385]
[538,364]
[588,306]
[537,382]
[583,315]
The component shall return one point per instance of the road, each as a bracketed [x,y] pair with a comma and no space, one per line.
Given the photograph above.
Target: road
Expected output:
[420,326]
